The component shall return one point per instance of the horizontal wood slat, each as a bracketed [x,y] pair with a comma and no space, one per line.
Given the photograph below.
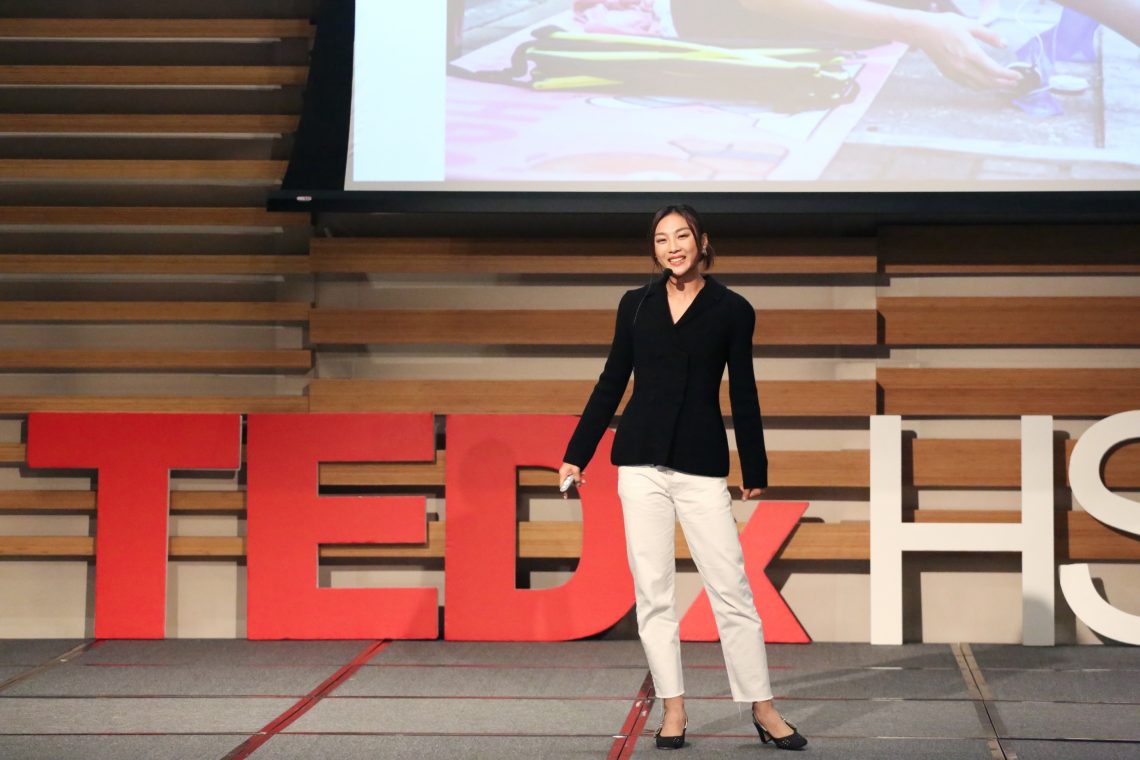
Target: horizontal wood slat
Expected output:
[580,327]
[156,28]
[131,123]
[155,216]
[101,263]
[581,257]
[794,398]
[13,453]
[1082,538]
[47,501]
[152,311]
[1101,321]
[787,469]
[997,464]
[171,404]
[959,392]
[140,171]
[68,359]
[155,76]
[221,502]
[953,463]
[1009,249]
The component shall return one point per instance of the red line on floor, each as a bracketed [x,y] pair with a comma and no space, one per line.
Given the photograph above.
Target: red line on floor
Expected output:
[626,739]
[282,721]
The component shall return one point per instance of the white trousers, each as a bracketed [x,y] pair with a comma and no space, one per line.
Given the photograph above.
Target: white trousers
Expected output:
[653,499]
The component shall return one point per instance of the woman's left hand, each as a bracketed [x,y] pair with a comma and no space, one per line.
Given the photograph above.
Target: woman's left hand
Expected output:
[750,493]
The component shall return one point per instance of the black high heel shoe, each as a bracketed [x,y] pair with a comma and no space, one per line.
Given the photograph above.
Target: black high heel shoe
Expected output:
[792,741]
[670,742]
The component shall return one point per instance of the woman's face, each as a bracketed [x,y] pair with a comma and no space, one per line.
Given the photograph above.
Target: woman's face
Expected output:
[675,246]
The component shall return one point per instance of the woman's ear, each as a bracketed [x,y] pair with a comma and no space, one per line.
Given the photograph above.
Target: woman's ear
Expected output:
[704,244]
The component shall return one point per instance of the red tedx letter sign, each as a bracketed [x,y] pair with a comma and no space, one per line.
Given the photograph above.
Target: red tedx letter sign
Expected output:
[767,529]
[134,454]
[288,521]
[483,457]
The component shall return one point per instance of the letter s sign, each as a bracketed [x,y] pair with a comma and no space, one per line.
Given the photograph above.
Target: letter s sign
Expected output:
[1109,508]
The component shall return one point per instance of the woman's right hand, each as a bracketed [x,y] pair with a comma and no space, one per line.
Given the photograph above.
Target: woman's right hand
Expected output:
[952,42]
[567,470]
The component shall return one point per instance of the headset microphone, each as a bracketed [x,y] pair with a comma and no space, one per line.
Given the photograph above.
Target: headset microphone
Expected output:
[665,275]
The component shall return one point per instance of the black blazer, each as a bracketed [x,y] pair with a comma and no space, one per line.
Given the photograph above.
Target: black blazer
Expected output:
[673,417]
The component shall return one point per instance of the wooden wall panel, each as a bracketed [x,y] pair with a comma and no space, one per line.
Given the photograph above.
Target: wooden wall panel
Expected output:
[962,392]
[147,124]
[579,327]
[76,268]
[172,265]
[799,398]
[162,29]
[154,76]
[840,256]
[949,321]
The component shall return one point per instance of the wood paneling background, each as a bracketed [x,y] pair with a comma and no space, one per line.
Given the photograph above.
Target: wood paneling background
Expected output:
[139,271]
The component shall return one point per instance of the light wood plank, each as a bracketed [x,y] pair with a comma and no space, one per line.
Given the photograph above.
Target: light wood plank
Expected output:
[1081,538]
[13,453]
[170,404]
[1102,321]
[97,263]
[171,170]
[147,124]
[797,398]
[207,547]
[152,311]
[79,359]
[547,327]
[79,547]
[585,256]
[181,502]
[160,29]
[47,501]
[787,469]
[156,216]
[155,76]
[960,392]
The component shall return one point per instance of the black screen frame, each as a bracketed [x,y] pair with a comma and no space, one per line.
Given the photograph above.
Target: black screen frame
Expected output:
[314,180]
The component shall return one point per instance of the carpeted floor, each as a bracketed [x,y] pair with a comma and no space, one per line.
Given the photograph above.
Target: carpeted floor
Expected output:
[99,700]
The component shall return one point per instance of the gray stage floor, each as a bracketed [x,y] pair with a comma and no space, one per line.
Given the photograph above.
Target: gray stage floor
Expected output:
[366,699]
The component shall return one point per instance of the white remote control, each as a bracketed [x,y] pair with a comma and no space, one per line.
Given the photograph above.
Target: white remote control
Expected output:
[566,484]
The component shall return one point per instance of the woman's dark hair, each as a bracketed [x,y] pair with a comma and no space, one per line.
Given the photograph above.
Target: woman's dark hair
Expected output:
[695,224]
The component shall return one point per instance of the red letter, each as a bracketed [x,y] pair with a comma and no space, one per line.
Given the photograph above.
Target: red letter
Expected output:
[483,457]
[134,454]
[288,521]
[767,529]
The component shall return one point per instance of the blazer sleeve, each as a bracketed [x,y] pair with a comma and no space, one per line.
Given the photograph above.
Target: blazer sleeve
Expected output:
[746,419]
[608,391]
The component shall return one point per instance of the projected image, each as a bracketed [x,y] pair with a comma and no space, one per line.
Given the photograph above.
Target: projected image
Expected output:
[778,94]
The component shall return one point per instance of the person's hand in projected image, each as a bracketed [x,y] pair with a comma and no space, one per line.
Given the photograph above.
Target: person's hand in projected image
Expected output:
[953,43]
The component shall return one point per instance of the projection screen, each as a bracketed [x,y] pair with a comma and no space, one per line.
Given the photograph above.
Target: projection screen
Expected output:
[749,96]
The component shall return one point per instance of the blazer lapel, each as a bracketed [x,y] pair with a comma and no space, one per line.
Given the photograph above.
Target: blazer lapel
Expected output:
[712,292]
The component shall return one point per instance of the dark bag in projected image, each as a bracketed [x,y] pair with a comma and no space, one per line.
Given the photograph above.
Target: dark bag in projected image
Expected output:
[783,79]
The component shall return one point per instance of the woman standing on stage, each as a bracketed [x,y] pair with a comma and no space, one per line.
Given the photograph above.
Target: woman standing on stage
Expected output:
[672,455]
